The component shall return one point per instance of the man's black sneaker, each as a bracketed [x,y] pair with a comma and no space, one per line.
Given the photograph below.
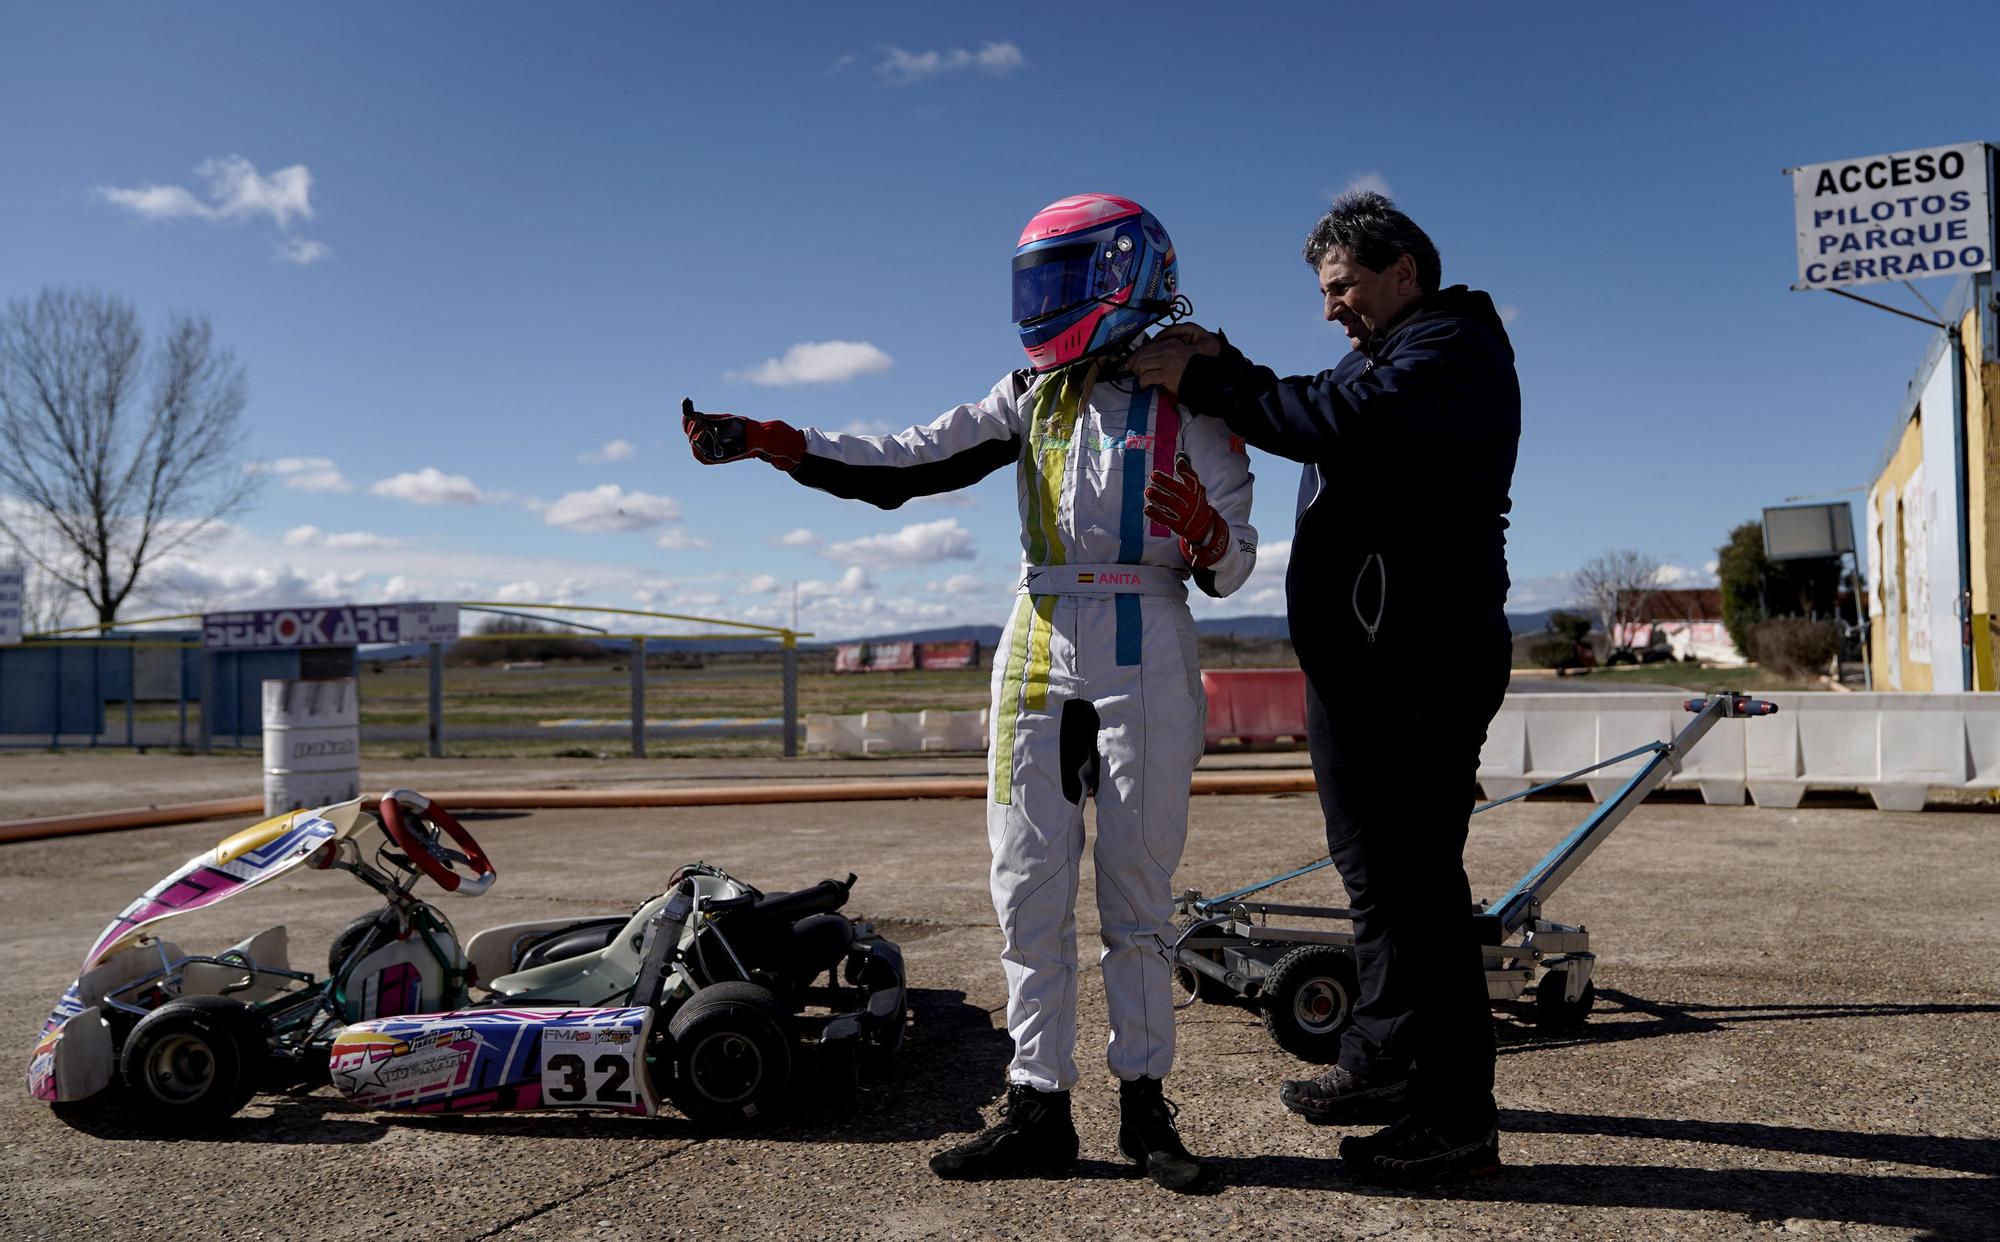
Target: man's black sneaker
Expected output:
[1034,1137]
[1146,1135]
[1414,1153]
[1342,1097]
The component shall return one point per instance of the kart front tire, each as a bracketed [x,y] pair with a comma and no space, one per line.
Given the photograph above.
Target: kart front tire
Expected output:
[194,1062]
[731,1054]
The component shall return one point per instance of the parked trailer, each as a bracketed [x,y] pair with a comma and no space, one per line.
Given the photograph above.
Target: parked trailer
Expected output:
[1301,974]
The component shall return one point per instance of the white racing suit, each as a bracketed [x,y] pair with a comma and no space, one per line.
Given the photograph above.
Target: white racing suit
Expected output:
[1096,684]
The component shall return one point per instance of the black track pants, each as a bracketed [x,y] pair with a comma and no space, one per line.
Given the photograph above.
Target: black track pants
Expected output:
[1396,767]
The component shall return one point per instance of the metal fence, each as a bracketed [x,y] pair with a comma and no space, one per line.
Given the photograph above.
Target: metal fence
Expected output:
[637,691]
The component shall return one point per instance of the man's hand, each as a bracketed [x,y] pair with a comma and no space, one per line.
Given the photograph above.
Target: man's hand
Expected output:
[717,438]
[1160,362]
[1180,503]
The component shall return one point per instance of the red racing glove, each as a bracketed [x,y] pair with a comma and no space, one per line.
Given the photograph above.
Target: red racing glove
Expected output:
[1180,503]
[717,438]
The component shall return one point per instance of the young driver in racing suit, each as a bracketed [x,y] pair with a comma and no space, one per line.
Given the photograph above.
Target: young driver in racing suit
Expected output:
[1096,688]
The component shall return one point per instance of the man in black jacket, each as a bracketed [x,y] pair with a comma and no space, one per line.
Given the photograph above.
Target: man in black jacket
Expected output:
[1396,594]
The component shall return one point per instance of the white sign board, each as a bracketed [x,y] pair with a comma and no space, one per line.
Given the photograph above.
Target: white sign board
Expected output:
[13,594]
[340,626]
[1894,217]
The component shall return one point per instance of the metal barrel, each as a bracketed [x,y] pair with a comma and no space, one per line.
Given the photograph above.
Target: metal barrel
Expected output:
[312,743]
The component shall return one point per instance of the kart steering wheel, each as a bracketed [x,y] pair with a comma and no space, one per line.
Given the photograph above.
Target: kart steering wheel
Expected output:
[425,850]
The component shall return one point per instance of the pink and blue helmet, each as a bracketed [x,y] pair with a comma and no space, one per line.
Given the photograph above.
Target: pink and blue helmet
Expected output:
[1090,272]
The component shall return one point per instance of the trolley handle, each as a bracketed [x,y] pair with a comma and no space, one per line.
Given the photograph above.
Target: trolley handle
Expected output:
[1734,705]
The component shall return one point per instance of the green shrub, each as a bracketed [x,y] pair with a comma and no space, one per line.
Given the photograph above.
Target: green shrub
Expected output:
[1793,647]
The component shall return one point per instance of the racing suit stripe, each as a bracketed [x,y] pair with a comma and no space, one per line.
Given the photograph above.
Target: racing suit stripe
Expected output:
[1049,436]
[1006,707]
[1166,443]
[1132,523]
[1036,699]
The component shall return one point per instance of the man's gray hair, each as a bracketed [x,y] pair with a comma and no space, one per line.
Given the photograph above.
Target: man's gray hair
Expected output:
[1368,226]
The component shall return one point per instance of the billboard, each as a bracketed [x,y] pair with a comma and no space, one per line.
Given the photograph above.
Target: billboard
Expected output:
[13,595]
[1902,216]
[343,625]
[1808,532]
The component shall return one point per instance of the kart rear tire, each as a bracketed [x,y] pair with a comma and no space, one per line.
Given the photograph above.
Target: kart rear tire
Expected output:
[1308,1000]
[731,1054]
[195,1061]
[351,935]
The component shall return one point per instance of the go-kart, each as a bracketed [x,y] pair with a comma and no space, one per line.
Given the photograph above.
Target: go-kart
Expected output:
[711,994]
[193,1036]
[708,992]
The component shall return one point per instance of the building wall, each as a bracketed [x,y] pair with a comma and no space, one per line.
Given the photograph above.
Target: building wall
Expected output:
[1910,525]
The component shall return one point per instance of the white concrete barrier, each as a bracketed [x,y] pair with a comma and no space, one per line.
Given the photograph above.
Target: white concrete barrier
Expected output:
[1897,747]
[881,733]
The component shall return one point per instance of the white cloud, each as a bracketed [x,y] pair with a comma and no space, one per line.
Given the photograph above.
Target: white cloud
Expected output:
[921,543]
[352,540]
[852,582]
[1677,576]
[402,587]
[303,474]
[1536,594]
[206,586]
[677,539]
[613,450]
[966,584]
[800,538]
[610,507]
[429,486]
[759,584]
[301,251]
[237,191]
[1371,181]
[816,362]
[867,427]
[1509,313]
[903,68]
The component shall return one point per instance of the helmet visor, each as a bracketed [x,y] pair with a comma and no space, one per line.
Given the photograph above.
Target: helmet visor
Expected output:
[1051,280]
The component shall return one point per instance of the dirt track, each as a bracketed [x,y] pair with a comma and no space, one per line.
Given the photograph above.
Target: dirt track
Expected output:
[1799,1032]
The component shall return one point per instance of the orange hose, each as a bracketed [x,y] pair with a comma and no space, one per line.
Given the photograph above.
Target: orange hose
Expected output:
[1282,781]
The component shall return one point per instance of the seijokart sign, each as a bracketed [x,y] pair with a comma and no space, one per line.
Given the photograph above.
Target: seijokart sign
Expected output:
[13,597]
[341,626]
[1902,216]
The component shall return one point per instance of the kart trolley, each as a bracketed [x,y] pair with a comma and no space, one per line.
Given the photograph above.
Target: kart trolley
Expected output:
[1302,975]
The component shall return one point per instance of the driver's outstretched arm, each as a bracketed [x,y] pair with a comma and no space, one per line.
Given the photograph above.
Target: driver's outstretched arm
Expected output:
[956,449]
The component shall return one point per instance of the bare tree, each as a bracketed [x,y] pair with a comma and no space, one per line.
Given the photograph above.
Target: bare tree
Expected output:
[1616,586]
[111,457]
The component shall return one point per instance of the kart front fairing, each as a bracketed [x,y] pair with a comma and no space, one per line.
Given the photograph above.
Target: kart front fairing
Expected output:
[499,1060]
[74,1056]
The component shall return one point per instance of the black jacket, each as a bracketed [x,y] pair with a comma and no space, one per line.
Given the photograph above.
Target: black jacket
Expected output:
[1400,548]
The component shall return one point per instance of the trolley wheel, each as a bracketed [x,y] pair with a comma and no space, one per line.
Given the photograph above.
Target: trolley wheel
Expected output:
[1308,999]
[1553,1010]
[1204,989]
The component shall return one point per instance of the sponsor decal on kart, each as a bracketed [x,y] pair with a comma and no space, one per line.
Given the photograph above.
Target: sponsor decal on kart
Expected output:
[42,1068]
[250,857]
[487,1060]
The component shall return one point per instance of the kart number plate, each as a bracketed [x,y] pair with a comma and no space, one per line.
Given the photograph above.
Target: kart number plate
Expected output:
[589,1067]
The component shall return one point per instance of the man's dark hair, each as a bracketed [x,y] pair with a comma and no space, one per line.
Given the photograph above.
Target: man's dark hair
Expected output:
[1368,225]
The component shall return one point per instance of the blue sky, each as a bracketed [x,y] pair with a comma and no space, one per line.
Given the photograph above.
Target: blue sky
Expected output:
[463,249]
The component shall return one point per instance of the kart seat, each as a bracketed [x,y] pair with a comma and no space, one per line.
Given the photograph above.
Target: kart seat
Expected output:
[588,936]
[822,898]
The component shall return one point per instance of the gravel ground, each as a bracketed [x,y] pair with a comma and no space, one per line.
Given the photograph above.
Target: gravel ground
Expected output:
[1798,1034]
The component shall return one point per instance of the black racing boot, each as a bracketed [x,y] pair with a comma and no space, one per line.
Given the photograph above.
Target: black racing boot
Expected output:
[1342,1097]
[1146,1134]
[1034,1137]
